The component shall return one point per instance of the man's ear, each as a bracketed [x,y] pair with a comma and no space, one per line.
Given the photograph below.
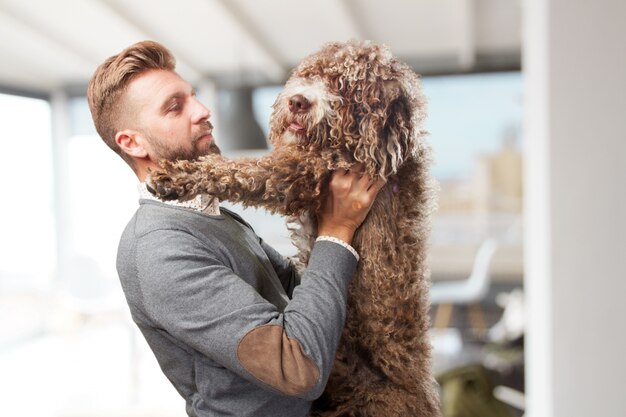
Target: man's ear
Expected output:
[130,142]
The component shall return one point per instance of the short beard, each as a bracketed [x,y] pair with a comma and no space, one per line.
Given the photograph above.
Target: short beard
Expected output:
[164,151]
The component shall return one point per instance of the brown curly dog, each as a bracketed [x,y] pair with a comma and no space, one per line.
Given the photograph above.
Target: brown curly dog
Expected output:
[349,103]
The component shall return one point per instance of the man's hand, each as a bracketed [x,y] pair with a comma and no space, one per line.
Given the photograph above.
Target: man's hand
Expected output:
[351,195]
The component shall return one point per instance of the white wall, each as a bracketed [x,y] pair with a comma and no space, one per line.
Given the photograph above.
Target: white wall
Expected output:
[575,174]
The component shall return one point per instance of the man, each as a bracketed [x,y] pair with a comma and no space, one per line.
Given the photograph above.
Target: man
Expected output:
[233,326]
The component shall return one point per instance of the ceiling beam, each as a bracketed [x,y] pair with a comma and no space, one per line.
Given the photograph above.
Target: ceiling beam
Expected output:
[467,32]
[87,57]
[30,93]
[354,17]
[250,27]
[193,73]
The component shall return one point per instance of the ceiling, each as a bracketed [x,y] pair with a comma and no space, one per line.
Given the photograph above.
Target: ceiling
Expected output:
[46,45]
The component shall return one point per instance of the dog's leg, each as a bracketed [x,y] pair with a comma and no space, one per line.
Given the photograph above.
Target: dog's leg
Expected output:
[283,182]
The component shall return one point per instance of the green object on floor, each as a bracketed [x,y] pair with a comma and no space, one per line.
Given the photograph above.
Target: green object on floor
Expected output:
[468,392]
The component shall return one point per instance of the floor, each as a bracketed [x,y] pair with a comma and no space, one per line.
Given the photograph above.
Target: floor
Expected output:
[63,364]
[87,368]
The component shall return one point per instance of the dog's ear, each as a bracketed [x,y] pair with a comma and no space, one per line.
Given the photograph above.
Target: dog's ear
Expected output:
[386,130]
[391,89]
[397,131]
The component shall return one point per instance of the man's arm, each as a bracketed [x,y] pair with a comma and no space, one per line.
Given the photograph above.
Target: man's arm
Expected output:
[193,296]
[351,196]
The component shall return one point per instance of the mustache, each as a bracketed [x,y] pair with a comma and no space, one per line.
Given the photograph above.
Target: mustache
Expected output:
[205,129]
[208,126]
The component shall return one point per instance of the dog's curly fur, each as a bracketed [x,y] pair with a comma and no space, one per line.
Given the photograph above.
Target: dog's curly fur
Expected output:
[365,107]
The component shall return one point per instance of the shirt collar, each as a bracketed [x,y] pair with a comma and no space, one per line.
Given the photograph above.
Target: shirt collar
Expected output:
[203,203]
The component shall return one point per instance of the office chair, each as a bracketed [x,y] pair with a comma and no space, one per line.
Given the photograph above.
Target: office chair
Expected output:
[470,291]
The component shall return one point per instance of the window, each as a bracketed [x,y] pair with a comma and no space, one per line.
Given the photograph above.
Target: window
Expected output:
[27,246]
[474,123]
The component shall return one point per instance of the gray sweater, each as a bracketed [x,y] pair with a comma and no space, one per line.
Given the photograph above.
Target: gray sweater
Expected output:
[227,317]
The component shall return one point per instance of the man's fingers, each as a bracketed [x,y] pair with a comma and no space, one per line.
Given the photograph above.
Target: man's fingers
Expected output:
[358,181]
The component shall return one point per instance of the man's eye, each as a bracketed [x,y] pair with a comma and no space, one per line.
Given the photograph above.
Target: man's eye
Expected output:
[174,108]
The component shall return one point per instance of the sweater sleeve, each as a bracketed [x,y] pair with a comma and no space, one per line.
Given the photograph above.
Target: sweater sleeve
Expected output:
[199,300]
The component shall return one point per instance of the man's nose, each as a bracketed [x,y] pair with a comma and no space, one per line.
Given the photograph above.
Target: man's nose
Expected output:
[299,104]
[201,113]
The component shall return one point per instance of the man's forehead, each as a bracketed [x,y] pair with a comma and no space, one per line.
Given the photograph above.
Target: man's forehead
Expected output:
[155,86]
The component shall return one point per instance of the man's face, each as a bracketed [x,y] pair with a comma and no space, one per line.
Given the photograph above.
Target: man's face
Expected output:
[171,120]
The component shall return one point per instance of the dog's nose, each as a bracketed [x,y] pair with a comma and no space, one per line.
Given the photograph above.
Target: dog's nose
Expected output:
[299,104]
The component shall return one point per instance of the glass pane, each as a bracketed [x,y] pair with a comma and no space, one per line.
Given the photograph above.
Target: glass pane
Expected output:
[27,246]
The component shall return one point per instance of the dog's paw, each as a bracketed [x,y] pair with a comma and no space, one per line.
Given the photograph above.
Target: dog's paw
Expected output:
[161,182]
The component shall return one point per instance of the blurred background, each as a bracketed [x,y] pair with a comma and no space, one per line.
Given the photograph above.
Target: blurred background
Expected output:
[525,112]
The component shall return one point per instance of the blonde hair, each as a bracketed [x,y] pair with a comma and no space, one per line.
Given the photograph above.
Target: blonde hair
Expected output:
[110,80]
